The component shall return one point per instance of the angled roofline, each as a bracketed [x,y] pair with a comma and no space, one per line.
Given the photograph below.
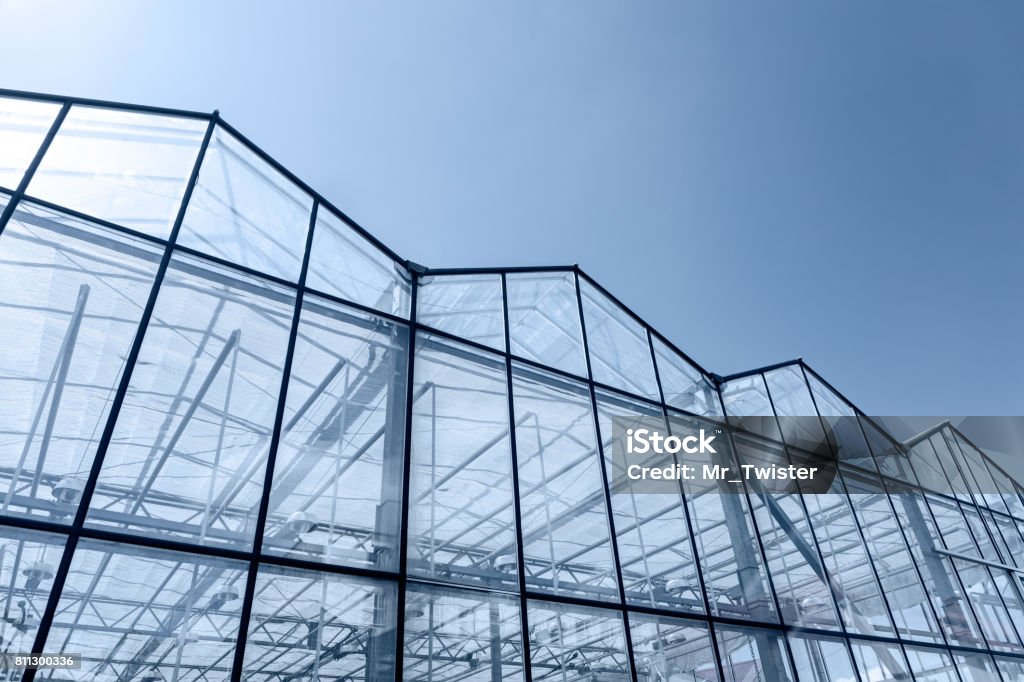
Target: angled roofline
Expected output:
[216,117]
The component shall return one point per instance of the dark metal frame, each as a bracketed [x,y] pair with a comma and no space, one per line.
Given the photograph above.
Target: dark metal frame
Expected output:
[254,558]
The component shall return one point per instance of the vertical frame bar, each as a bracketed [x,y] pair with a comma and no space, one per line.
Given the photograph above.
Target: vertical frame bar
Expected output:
[275,442]
[60,578]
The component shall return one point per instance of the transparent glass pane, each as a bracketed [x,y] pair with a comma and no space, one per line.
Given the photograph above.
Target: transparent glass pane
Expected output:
[318,626]
[931,665]
[848,563]
[747,404]
[468,306]
[821,659]
[753,654]
[72,296]
[28,564]
[842,426]
[544,319]
[796,570]
[245,211]
[684,386]
[575,643]
[146,614]
[620,355]
[461,635]
[793,404]
[561,487]
[121,166]
[346,264]
[727,545]
[188,453]
[879,662]
[462,514]
[672,649]
[337,490]
[655,550]
[891,457]
[896,567]
[978,667]
[23,125]
[937,570]
[1011,668]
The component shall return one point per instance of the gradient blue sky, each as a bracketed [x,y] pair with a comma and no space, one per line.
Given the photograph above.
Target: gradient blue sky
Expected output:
[759,181]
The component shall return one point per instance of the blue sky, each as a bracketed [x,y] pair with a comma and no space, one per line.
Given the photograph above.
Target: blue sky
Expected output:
[759,181]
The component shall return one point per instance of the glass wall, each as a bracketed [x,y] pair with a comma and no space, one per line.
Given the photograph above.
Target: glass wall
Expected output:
[241,439]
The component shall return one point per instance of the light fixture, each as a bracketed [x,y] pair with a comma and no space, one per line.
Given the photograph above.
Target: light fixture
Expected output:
[300,522]
[68,490]
[506,563]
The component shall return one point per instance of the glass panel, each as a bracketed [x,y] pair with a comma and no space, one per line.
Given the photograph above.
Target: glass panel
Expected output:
[122,166]
[904,593]
[847,561]
[891,457]
[793,404]
[575,643]
[842,427]
[346,264]
[793,563]
[544,319]
[561,488]
[337,490]
[23,125]
[684,386]
[963,478]
[462,516]
[468,306]
[188,452]
[620,355]
[936,570]
[147,614]
[655,552]
[932,472]
[931,665]
[247,212]
[461,635]
[672,649]
[821,659]
[318,626]
[978,667]
[973,462]
[28,564]
[748,407]
[879,662]
[1012,669]
[727,545]
[752,654]
[72,298]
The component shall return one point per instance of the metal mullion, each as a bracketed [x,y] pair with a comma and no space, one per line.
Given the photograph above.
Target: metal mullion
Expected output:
[105,104]
[629,311]
[268,476]
[85,217]
[853,514]
[959,578]
[26,178]
[236,267]
[826,579]
[712,637]
[757,533]
[301,184]
[405,512]
[63,569]
[517,510]
[613,539]
[974,499]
